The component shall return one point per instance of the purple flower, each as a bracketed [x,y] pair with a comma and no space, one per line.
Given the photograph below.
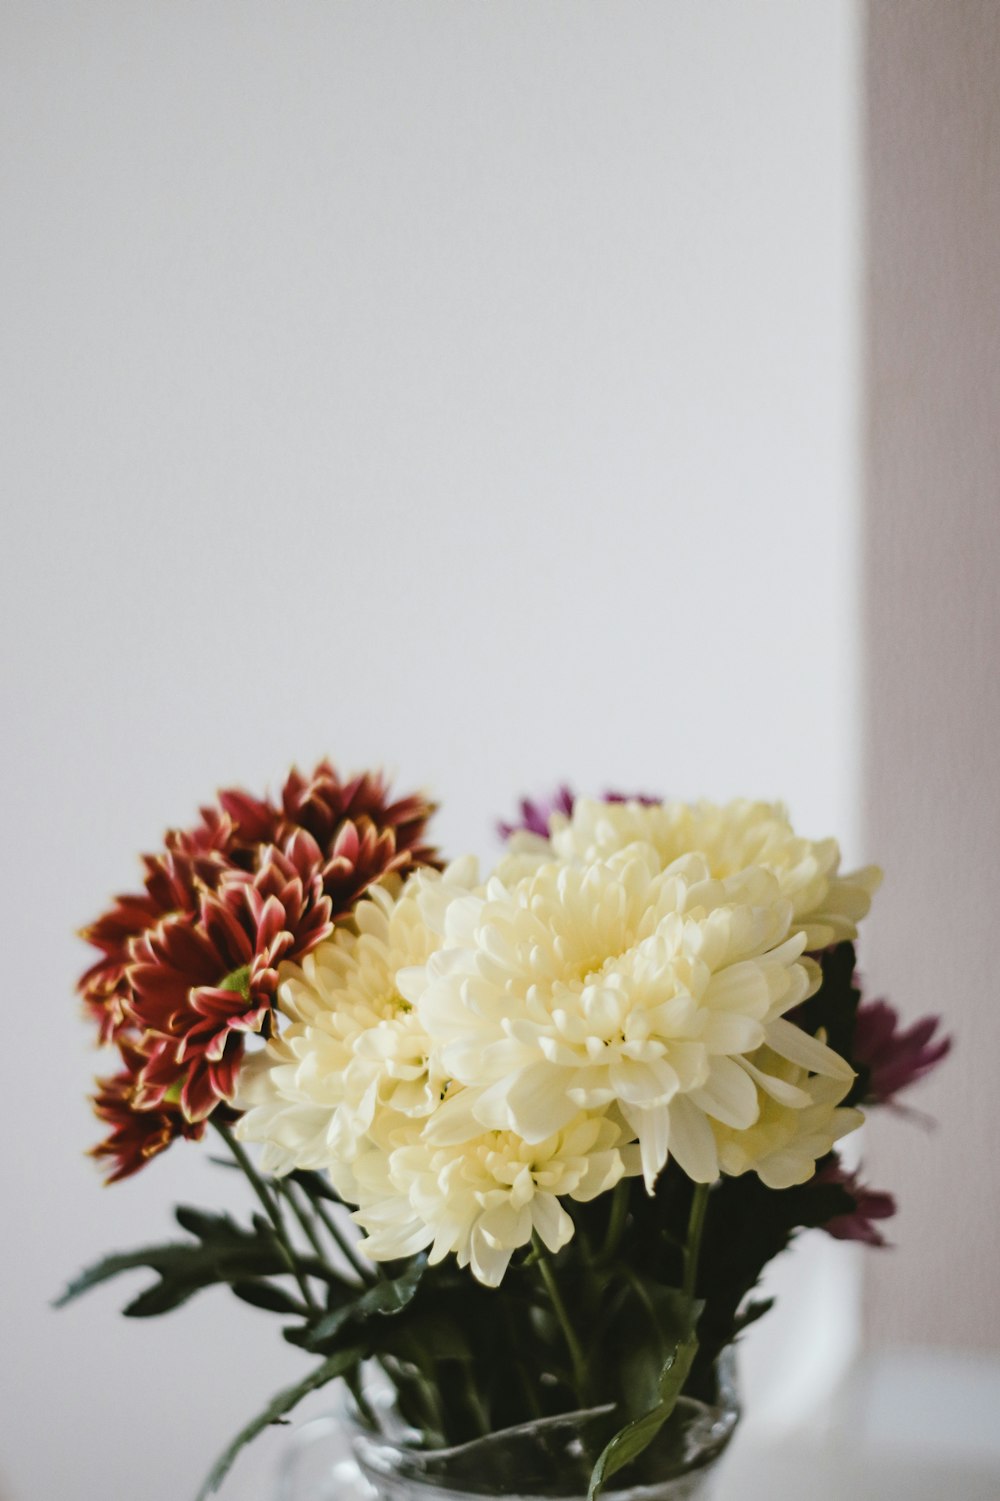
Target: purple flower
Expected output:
[869,1205]
[894,1057]
[535,815]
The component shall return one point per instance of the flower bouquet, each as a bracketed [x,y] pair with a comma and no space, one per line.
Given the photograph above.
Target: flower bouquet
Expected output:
[520,1145]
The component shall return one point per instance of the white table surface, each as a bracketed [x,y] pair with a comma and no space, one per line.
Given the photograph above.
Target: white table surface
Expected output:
[826,1472]
[908,1425]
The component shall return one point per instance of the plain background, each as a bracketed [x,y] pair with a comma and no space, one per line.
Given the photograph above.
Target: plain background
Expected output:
[468,389]
[931,633]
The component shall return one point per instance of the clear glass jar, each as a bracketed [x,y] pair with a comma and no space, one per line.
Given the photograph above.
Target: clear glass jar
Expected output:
[342,1459]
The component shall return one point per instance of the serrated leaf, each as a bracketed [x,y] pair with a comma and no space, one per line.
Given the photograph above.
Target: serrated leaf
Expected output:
[156,1257]
[228,1254]
[383,1300]
[629,1442]
[163,1297]
[209,1226]
[297,1335]
[333,1366]
[267,1295]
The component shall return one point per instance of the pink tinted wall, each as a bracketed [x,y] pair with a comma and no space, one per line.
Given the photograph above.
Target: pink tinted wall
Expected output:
[932,546]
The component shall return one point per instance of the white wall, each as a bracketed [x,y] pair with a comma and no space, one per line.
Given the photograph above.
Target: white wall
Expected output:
[469,388]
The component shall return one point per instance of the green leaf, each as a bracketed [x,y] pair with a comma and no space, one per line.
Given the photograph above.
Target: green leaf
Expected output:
[629,1442]
[382,1300]
[183,1268]
[208,1226]
[753,1311]
[125,1261]
[223,1253]
[746,1226]
[315,1185]
[201,1266]
[430,1333]
[269,1296]
[834,1007]
[641,1322]
[335,1365]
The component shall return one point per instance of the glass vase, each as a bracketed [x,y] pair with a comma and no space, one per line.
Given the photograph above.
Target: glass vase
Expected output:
[344,1459]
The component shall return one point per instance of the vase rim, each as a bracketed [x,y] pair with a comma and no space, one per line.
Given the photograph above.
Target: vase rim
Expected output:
[393,1456]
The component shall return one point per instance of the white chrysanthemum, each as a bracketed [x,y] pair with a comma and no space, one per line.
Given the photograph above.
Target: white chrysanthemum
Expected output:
[732,836]
[351,1044]
[800,1119]
[482,1198]
[616,983]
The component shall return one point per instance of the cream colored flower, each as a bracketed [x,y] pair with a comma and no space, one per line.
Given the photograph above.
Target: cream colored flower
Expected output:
[351,1045]
[612,982]
[800,1120]
[481,1198]
[731,837]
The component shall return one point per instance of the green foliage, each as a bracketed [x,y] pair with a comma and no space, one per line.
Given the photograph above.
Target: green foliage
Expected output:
[636,1436]
[315,1185]
[746,1226]
[834,1009]
[391,1296]
[466,1359]
[254,1264]
[266,1295]
[602,1325]
[221,1252]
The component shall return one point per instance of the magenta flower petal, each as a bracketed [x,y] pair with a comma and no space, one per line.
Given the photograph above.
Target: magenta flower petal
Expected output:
[894,1057]
[870,1205]
[535,815]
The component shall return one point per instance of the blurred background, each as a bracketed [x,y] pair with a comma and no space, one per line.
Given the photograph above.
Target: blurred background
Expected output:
[499,394]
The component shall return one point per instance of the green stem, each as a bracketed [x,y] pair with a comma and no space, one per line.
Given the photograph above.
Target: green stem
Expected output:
[616,1220]
[270,1209]
[692,1246]
[477,1410]
[569,1333]
[364,1270]
[419,1388]
[527,1386]
[308,1228]
[353,1379]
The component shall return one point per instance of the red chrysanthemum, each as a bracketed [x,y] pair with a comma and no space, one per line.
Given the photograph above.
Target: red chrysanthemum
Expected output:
[198,987]
[189,966]
[136,1135]
[362,834]
[172,883]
